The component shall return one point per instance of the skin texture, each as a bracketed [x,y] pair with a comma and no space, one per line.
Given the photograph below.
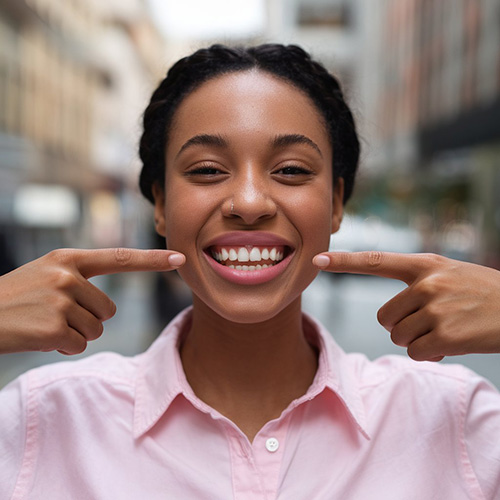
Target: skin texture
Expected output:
[229,354]
[248,109]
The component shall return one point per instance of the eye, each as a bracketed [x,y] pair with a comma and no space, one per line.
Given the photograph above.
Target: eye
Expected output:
[294,175]
[293,170]
[203,173]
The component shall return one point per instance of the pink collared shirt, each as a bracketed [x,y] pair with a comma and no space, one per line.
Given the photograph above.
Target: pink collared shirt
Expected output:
[110,427]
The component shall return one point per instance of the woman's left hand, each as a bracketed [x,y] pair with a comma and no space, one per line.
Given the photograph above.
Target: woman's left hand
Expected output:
[449,307]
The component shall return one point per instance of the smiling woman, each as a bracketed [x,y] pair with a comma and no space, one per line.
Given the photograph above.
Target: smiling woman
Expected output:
[249,155]
[232,156]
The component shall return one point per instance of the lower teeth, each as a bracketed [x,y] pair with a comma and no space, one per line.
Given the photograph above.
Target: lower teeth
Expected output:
[249,268]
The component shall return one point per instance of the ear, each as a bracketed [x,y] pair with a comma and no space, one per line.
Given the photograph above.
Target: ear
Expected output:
[338,204]
[159,210]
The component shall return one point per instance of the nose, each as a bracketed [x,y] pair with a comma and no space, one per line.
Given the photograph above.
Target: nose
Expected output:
[251,200]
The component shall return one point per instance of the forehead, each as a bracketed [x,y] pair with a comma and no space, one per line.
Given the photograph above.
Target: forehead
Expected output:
[247,101]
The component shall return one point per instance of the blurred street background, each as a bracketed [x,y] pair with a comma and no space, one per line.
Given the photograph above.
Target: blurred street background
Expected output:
[423,78]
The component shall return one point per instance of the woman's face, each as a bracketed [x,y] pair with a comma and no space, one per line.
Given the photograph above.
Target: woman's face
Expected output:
[248,195]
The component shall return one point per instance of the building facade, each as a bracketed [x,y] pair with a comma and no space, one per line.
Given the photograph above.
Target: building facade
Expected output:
[74,78]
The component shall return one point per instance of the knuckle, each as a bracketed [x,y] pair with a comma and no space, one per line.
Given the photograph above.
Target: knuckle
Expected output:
[123,256]
[61,304]
[60,255]
[109,311]
[99,330]
[78,346]
[96,331]
[112,309]
[444,337]
[415,354]
[155,259]
[429,286]
[434,261]
[433,312]
[397,337]
[54,335]
[342,260]
[64,279]
[374,258]
[382,318]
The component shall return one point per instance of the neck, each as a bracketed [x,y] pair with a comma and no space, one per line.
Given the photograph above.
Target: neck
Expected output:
[248,372]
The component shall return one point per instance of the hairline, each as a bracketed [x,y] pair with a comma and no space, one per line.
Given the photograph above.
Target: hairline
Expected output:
[255,68]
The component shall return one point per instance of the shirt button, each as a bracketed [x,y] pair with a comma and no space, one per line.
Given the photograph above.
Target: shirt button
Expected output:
[272,444]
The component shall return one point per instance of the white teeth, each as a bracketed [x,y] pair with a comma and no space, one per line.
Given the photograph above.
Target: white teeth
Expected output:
[233,255]
[255,254]
[248,268]
[243,255]
[248,254]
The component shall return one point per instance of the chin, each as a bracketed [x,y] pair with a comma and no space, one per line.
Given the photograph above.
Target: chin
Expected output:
[245,312]
[248,306]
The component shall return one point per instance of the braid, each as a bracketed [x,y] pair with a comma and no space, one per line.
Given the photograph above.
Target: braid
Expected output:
[290,63]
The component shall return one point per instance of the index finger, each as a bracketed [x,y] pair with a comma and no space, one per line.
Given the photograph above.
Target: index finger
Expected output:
[118,260]
[400,266]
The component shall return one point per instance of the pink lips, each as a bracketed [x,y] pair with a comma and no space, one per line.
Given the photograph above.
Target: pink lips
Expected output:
[254,238]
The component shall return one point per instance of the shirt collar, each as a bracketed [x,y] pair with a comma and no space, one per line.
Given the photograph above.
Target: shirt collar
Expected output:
[336,373]
[161,378]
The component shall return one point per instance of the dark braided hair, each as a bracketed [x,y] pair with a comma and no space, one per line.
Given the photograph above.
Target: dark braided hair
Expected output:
[289,63]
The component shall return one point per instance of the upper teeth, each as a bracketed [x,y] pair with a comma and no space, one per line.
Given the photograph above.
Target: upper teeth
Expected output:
[247,254]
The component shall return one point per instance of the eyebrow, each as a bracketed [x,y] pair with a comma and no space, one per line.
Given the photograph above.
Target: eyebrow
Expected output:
[279,141]
[290,139]
[204,140]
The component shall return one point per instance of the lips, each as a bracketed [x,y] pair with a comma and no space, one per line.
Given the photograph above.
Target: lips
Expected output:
[249,257]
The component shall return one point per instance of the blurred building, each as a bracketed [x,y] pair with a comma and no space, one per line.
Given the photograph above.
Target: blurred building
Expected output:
[326,28]
[429,76]
[74,79]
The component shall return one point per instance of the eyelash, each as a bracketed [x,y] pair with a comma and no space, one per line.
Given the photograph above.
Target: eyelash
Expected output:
[297,170]
[287,172]
[205,170]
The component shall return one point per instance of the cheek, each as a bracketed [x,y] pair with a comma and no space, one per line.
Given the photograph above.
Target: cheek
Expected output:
[312,216]
[186,210]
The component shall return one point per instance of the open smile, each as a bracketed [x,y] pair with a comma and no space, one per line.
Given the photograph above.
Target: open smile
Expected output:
[248,263]
[248,257]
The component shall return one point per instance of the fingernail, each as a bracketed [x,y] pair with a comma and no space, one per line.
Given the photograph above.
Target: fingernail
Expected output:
[176,259]
[321,261]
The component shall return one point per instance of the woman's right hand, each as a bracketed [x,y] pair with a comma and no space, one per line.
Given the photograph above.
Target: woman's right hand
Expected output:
[449,308]
[49,304]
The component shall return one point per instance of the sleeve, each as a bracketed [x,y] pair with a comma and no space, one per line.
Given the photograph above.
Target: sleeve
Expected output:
[13,423]
[482,434]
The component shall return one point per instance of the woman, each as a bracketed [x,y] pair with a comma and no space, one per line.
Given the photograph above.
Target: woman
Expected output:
[249,156]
